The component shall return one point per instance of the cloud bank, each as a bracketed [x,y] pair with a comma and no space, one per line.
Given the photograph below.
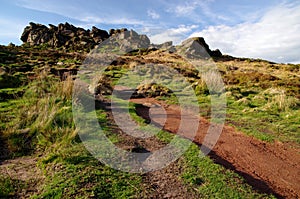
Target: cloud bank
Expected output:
[275,36]
[176,35]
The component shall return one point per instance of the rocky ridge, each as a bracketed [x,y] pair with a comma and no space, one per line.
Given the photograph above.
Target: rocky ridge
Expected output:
[69,37]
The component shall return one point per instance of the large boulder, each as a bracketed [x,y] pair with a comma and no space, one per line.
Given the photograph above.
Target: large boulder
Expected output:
[196,47]
[126,41]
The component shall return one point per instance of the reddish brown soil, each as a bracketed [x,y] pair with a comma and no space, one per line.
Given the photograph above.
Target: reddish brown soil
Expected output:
[267,167]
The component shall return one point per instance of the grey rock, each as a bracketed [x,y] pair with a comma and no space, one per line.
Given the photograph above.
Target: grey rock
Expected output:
[196,47]
[63,35]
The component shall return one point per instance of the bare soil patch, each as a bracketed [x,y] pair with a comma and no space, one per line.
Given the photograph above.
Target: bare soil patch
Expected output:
[267,167]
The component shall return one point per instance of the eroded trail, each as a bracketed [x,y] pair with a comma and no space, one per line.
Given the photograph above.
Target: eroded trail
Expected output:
[163,183]
[268,167]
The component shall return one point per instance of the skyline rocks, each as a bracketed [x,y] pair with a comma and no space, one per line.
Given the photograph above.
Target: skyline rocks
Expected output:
[69,37]
[63,35]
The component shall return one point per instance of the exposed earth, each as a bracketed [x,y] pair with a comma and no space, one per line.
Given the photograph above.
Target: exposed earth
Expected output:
[272,168]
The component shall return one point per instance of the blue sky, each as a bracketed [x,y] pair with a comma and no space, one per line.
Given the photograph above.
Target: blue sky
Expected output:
[245,28]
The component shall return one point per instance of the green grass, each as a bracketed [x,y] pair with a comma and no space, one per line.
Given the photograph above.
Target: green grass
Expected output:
[38,119]
[40,122]
[9,187]
[266,116]
[74,173]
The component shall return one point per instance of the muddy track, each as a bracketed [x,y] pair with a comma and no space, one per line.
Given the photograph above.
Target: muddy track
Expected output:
[267,167]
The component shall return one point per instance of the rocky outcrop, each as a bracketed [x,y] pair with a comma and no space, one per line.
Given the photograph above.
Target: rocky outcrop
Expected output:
[130,40]
[164,46]
[63,35]
[70,37]
[196,47]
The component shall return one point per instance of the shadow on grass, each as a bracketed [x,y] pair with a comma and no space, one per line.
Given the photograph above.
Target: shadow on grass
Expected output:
[4,152]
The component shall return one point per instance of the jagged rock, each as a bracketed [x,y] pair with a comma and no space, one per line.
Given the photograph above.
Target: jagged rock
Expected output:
[128,41]
[70,37]
[117,31]
[98,34]
[216,53]
[196,47]
[63,35]
[164,46]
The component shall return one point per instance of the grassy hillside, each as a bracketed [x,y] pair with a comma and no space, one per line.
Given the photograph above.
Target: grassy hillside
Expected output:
[36,123]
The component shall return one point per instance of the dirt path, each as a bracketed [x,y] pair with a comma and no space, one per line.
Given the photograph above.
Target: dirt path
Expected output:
[164,183]
[268,167]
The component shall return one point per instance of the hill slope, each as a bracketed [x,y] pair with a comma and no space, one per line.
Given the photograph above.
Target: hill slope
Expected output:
[37,130]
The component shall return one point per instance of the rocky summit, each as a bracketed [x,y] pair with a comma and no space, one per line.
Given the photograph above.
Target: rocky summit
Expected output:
[67,36]
[196,47]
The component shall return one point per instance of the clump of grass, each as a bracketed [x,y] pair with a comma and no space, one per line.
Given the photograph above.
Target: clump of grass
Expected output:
[72,172]
[266,114]
[214,81]
[9,187]
[42,117]
[277,99]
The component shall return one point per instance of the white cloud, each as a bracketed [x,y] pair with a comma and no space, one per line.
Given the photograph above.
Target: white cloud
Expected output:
[197,11]
[97,20]
[185,9]
[172,34]
[275,36]
[153,14]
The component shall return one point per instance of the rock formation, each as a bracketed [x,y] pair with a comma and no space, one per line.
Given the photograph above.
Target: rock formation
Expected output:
[63,35]
[196,47]
[70,37]
[127,41]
